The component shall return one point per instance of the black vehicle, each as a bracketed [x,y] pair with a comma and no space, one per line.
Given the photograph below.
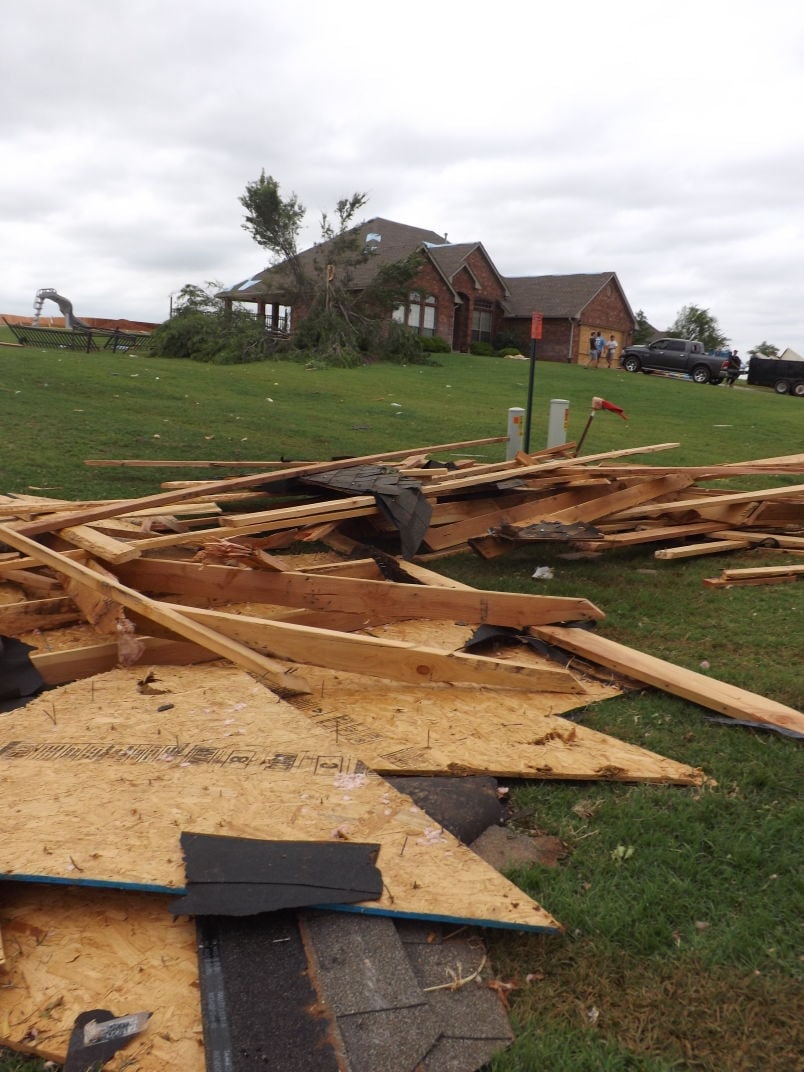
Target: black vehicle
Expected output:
[675,355]
[785,377]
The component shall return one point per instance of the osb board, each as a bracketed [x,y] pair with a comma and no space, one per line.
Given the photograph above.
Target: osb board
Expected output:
[408,729]
[97,784]
[71,949]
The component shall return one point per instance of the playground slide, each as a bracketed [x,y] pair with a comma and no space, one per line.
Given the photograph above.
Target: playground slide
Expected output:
[70,319]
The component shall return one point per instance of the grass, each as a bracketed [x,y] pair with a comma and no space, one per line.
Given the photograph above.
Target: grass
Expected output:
[682,906]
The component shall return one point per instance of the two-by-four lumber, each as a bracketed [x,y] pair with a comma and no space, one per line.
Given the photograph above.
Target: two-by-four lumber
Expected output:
[700,505]
[605,505]
[694,550]
[654,534]
[377,657]
[716,695]
[774,539]
[438,537]
[708,692]
[34,614]
[761,571]
[377,600]
[61,667]
[166,498]
[242,656]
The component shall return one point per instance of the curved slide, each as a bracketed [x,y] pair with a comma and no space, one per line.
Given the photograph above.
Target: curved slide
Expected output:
[66,306]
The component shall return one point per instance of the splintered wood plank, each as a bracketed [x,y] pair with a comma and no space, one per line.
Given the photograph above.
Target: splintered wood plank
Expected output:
[393,660]
[151,609]
[708,692]
[376,600]
[71,949]
[120,774]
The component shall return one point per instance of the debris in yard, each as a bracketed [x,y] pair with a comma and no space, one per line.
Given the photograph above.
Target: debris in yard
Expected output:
[294,684]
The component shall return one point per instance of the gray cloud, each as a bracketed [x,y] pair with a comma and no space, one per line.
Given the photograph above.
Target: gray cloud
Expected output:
[565,140]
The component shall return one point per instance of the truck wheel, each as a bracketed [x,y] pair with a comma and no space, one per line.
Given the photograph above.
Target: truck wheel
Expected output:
[700,374]
[631,363]
[782,387]
[798,389]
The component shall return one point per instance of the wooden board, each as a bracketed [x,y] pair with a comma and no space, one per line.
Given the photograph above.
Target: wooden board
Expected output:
[377,600]
[717,695]
[382,657]
[121,772]
[71,949]
[111,589]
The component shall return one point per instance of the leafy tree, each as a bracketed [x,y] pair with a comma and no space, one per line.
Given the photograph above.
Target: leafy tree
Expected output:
[764,349]
[644,331]
[342,324]
[698,324]
[273,221]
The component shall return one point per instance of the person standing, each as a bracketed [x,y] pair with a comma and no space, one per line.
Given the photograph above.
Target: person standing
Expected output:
[611,351]
[733,368]
[593,355]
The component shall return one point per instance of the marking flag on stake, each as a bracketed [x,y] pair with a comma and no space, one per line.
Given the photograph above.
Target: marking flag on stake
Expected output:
[601,403]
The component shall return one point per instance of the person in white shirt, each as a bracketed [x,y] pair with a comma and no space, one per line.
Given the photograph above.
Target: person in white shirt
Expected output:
[611,351]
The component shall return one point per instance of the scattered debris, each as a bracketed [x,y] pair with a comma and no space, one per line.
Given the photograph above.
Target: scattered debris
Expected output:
[340,669]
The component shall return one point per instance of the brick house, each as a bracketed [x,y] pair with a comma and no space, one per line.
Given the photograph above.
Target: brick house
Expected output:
[458,294]
[572,306]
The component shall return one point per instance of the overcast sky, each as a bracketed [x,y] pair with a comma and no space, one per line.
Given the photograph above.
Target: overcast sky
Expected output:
[662,141]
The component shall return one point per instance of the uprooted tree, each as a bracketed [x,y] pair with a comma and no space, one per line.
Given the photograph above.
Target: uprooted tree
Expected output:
[341,322]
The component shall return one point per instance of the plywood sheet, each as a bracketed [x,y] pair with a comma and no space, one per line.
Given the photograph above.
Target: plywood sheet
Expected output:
[469,730]
[120,771]
[71,949]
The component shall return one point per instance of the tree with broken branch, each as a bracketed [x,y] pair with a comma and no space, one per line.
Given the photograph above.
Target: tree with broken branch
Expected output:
[342,323]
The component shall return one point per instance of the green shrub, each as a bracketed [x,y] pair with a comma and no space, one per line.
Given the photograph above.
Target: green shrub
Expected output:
[482,349]
[434,344]
[509,351]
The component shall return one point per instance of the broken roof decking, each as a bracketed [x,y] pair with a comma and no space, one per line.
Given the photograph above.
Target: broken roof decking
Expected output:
[119,780]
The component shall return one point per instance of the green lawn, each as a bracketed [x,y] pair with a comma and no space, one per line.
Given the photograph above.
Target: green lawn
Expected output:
[682,906]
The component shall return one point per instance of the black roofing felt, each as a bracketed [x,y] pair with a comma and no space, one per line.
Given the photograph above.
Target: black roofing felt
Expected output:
[233,876]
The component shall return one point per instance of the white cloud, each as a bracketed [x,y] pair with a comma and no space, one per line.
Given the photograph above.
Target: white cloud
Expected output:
[653,140]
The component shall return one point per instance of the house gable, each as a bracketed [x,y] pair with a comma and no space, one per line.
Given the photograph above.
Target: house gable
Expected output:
[572,306]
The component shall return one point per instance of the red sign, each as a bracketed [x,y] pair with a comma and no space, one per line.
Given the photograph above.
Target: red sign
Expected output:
[536,326]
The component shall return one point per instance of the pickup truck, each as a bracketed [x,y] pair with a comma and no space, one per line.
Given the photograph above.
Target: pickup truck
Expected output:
[675,355]
[785,377]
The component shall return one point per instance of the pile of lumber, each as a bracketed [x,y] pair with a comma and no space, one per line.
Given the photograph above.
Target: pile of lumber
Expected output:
[600,502]
[220,719]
